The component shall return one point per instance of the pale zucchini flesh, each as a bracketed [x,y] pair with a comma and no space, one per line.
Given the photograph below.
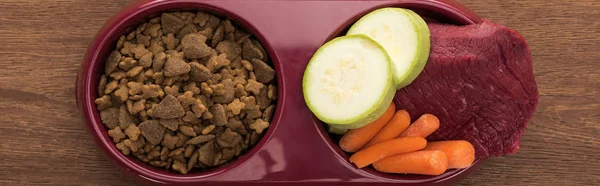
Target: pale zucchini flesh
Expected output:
[348,82]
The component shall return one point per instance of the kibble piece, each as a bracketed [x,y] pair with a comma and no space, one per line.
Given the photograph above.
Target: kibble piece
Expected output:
[139,106]
[247,65]
[122,93]
[134,145]
[250,51]
[180,167]
[254,86]
[118,74]
[110,117]
[263,99]
[134,71]
[156,46]
[152,130]
[116,134]
[208,129]
[169,141]
[198,108]
[219,117]
[236,106]
[150,91]
[125,118]
[188,29]
[187,130]
[229,92]
[194,46]
[139,50]
[111,86]
[159,61]
[199,73]
[112,62]
[186,99]
[175,67]
[133,132]
[240,91]
[206,154]
[268,113]
[170,24]
[229,48]
[192,87]
[259,126]
[135,88]
[253,113]
[264,73]
[146,60]
[272,92]
[143,39]
[171,124]
[235,125]
[168,108]
[200,139]
[228,154]
[124,149]
[103,102]
[102,85]
[249,101]
[170,41]
[218,36]
[182,139]
[228,138]
[216,63]
[172,90]
[190,117]
[152,30]
[128,63]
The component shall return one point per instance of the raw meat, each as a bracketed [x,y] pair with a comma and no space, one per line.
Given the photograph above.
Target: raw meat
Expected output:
[479,82]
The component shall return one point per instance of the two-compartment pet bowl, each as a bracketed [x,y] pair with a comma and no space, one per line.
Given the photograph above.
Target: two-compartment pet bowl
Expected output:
[296,149]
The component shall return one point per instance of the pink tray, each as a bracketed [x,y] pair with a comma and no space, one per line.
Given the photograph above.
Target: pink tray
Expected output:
[296,149]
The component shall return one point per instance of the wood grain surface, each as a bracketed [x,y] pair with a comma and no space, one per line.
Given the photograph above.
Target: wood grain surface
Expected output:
[43,141]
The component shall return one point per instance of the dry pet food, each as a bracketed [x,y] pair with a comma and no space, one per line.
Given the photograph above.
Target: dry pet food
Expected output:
[187,91]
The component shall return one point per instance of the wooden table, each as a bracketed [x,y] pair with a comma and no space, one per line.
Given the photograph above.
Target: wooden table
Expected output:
[44,142]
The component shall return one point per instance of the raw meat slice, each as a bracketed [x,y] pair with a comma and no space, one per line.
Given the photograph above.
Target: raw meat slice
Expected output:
[479,81]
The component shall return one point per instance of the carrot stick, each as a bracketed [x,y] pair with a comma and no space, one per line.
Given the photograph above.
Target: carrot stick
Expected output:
[355,139]
[423,127]
[461,153]
[392,129]
[384,149]
[419,162]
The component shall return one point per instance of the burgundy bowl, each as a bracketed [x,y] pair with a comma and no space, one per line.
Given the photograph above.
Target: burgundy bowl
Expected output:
[292,118]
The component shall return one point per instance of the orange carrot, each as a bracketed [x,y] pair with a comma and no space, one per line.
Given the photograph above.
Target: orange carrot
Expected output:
[423,127]
[461,153]
[384,149]
[355,139]
[420,162]
[392,129]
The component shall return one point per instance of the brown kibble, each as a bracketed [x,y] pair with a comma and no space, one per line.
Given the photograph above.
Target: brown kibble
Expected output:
[175,67]
[188,29]
[112,62]
[199,73]
[259,126]
[217,90]
[187,99]
[254,86]
[272,92]
[122,93]
[170,24]
[193,160]
[219,117]
[172,90]
[200,139]
[110,117]
[171,124]
[146,60]
[218,36]
[249,101]
[124,149]
[194,46]
[139,50]
[170,41]
[213,22]
[207,32]
[134,145]
[263,99]
[187,130]
[251,51]
[153,152]
[179,167]
[201,18]
[239,80]
[206,90]
[118,74]
[134,71]
[229,92]
[264,73]
[126,50]
[152,30]
[159,164]
[134,88]
[231,49]
[218,62]
[156,46]
[143,39]
[139,106]
[206,154]
[189,150]
[125,118]
[198,108]
[207,116]
[190,117]
[133,132]
[116,134]
[168,108]
[182,139]
[150,91]
[252,75]
[153,131]
[192,88]
[253,112]
[236,106]
[102,85]
[247,65]
[208,129]
[103,102]
[268,113]
[227,26]
[236,125]
[120,42]
[214,79]
[164,154]
[169,141]
[228,154]
[128,63]
[227,74]
[111,86]
[240,91]
[228,138]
